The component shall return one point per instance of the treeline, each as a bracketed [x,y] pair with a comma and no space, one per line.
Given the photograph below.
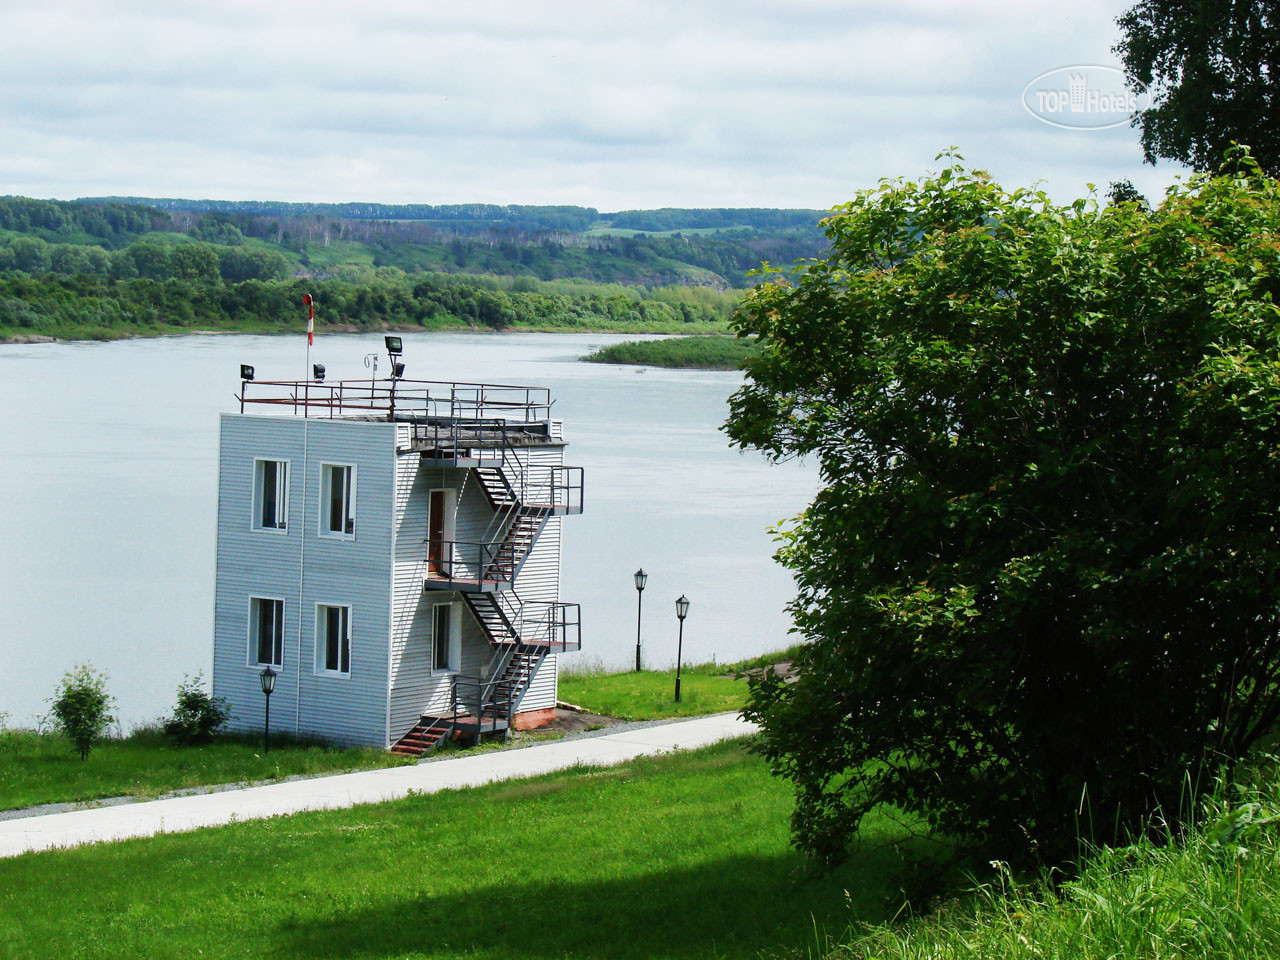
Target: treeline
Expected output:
[111,223]
[146,259]
[69,238]
[103,307]
[534,218]
[531,218]
[718,218]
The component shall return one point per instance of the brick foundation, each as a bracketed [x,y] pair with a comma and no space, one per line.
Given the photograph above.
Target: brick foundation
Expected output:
[533,719]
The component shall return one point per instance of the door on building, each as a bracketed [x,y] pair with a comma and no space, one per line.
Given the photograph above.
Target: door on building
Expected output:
[435,534]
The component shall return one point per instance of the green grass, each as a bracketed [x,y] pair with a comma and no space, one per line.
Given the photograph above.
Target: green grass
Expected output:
[704,353]
[650,694]
[683,856]
[44,768]
[1216,895]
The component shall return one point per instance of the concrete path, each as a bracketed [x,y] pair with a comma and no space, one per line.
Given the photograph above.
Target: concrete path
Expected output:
[178,814]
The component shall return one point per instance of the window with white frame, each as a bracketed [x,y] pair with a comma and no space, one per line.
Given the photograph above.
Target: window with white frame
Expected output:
[270,494]
[266,632]
[337,500]
[446,645]
[333,639]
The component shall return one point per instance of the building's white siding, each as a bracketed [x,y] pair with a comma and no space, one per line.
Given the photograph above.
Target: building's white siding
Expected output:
[350,709]
[379,574]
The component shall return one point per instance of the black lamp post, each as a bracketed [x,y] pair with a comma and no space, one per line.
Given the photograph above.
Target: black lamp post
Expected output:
[268,678]
[682,611]
[641,579]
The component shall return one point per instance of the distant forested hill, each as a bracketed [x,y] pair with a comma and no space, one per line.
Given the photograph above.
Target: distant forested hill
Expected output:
[159,239]
[722,218]
[534,218]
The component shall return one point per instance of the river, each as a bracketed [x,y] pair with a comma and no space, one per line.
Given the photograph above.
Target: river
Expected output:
[108,488]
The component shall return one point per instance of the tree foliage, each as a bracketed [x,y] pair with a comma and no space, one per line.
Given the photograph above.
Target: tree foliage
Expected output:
[1043,573]
[1213,67]
[198,714]
[82,707]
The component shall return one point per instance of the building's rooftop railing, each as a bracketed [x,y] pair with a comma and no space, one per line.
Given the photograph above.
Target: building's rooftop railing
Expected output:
[401,399]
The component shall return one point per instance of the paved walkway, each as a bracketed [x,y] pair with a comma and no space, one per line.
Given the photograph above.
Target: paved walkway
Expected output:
[178,814]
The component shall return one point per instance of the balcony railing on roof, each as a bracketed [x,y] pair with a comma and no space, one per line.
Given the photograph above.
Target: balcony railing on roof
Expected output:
[401,399]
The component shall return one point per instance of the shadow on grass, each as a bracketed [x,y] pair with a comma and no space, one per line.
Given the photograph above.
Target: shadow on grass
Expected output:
[734,907]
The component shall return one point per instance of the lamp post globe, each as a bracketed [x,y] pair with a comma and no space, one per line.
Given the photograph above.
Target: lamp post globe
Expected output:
[641,579]
[682,611]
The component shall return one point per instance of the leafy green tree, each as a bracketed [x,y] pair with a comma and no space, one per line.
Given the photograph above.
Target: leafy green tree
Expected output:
[82,707]
[69,259]
[1123,191]
[1043,574]
[242,263]
[30,254]
[151,260]
[99,261]
[194,261]
[1212,66]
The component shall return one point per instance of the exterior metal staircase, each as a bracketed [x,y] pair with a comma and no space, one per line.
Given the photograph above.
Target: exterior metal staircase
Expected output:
[428,734]
[523,496]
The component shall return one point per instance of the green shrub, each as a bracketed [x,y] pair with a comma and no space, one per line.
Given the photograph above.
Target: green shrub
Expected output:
[198,714]
[82,707]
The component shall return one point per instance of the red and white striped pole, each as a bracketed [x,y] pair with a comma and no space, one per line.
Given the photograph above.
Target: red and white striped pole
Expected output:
[311,336]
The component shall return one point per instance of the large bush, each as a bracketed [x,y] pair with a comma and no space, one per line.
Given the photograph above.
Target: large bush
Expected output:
[1042,580]
[82,707]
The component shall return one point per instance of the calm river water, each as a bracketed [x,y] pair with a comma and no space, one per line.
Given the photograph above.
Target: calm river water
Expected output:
[108,488]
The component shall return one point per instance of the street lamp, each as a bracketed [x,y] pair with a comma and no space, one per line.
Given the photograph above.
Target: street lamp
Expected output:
[268,679]
[682,611]
[641,579]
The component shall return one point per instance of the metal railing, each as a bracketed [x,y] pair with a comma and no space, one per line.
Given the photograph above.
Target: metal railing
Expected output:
[407,399]
[551,624]
[557,487]
[548,624]
[483,699]
[463,560]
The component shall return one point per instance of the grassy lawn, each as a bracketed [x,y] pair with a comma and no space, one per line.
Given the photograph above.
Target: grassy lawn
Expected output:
[680,856]
[44,768]
[650,694]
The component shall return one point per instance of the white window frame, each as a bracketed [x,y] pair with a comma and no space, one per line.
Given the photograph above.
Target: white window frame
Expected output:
[322,641]
[455,638]
[282,496]
[251,632]
[325,496]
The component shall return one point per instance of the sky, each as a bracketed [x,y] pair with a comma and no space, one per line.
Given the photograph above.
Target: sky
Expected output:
[613,105]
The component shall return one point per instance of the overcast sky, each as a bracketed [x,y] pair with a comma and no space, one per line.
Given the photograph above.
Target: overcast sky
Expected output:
[607,104]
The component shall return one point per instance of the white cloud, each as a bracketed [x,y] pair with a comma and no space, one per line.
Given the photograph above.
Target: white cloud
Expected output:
[609,105]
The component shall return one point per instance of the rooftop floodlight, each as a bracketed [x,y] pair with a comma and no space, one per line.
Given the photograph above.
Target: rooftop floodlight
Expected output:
[394,346]
[246,372]
[317,372]
[397,370]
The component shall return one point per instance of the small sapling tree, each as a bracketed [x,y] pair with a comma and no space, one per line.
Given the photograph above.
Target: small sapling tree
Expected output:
[198,714]
[82,707]
[1041,583]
